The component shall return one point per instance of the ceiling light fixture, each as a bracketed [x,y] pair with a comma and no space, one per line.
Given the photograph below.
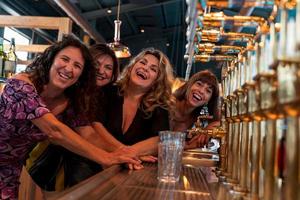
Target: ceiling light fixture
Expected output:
[120,49]
[109,10]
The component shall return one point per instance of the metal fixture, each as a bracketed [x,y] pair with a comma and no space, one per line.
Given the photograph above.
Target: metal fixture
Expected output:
[120,49]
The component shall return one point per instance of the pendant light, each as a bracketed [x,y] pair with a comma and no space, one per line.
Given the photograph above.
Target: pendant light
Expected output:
[120,49]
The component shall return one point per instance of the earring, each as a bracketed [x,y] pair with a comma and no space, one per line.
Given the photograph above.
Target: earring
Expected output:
[204,110]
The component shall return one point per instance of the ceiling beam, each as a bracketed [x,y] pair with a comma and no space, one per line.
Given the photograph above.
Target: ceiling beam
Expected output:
[7,8]
[108,19]
[75,15]
[124,8]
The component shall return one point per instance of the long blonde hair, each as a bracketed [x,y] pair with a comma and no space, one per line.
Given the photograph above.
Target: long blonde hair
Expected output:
[160,94]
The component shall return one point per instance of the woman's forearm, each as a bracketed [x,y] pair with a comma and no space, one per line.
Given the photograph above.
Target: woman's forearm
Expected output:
[147,147]
[66,137]
[109,141]
[89,133]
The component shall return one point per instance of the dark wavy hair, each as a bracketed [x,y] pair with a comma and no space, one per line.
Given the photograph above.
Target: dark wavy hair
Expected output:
[209,78]
[101,49]
[77,94]
[96,51]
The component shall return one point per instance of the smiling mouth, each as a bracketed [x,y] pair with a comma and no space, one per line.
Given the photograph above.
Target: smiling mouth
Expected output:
[100,77]
[197,97]
[141,75]
[64,76]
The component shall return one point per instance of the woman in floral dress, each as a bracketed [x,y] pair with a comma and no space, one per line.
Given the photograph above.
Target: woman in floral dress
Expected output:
[44,165]
[63,75]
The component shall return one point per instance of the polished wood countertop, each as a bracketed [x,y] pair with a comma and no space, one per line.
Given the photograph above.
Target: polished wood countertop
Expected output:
[120,183]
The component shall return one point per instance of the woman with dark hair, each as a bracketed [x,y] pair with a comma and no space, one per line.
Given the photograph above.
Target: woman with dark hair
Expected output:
[107,73]
[32,103]
[69,169]
[200,92]
[106,63]
[77,168]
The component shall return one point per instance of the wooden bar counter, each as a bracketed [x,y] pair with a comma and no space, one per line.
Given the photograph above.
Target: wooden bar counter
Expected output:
[196,182]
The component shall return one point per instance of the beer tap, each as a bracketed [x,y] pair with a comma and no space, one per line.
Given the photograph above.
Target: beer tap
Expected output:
[210,48]
[218,19]
[217,133]
[202,122]
[215,35]
[208,57]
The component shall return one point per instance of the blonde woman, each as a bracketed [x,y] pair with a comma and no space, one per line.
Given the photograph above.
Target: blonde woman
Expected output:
[139,103]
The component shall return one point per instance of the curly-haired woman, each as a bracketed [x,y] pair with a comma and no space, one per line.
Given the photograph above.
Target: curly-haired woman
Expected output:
[68,169]
[31,104]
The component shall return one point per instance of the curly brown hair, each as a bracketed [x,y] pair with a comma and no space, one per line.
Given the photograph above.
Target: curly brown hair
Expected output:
[77,94]
[160,94]
[209,78]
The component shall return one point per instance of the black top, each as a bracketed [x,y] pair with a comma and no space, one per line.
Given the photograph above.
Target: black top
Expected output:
[109,113]
[142,126]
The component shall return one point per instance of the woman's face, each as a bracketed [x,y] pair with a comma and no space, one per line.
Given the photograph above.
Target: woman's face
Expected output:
[104,70]
[199,94]
[145,71]
[66,68]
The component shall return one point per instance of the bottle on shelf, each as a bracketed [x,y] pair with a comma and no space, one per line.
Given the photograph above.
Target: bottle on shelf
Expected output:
[2,57]
[10,63]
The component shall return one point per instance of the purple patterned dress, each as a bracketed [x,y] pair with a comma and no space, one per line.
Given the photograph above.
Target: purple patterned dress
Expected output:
[19,104]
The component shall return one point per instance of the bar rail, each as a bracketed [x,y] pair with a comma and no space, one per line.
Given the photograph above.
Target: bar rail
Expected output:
[118,182]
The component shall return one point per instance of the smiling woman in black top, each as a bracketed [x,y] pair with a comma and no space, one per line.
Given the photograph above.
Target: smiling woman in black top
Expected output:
[139,103]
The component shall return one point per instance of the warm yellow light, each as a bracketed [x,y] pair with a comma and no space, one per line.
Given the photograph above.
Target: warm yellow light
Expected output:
[120,50]
[177,83]
[186,183]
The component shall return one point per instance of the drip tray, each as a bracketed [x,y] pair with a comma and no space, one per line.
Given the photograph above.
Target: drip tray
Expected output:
[200,158]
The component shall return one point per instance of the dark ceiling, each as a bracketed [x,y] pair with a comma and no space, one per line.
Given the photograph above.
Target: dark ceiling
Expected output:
[163,22]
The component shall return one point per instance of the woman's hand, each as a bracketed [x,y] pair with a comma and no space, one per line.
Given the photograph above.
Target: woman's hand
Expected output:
[197,141]
[149,158]
[123,154]
[144,159]
[135,167]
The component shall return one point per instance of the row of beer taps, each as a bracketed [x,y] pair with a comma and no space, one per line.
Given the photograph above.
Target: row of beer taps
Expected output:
[260,131]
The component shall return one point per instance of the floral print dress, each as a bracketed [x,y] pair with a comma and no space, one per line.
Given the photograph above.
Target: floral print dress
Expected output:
[19,104]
